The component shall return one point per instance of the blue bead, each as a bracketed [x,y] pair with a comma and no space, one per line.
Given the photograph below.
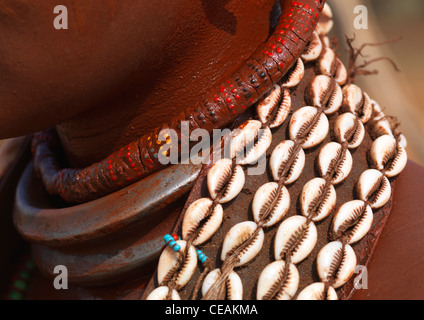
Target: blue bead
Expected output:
[204,259]
[199,252]
[176,248]
[201,256]
[167,237]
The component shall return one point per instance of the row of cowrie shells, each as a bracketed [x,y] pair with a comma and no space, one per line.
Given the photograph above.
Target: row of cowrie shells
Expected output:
[374,191]
[328,63]
[326,23]
[204,217]
[272,111]
[324,92]
[356,215]
[354,219]
[331,155]
[349,131]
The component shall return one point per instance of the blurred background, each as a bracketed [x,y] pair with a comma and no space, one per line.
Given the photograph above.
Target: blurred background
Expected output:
[400,94]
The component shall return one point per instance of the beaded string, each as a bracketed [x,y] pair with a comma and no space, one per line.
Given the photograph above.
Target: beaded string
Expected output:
[21,279]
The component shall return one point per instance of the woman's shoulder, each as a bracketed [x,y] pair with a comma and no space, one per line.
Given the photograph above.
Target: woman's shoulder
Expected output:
[395,268]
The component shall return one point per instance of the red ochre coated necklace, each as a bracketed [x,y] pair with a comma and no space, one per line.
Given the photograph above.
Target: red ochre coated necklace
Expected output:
[256,76]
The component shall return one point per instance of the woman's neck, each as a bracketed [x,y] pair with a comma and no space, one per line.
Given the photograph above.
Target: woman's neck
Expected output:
[185,66]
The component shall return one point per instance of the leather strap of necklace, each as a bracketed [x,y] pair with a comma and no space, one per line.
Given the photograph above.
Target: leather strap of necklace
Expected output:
[256,76]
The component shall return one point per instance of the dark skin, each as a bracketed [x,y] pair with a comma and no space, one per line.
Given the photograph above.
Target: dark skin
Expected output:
[120,69]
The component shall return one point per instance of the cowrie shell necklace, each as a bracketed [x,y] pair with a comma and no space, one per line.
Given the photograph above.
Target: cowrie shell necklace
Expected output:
[225,180]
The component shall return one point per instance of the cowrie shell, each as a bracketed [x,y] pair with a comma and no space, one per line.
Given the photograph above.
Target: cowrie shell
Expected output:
[283,110]
[353,220]
[161,293]
[198,215]
[334,162]
[233,284]
[237,235]
[377,110]
[327,63]
[349,129]
[341,73]
[315,291]
[221,178]
[293,235]
[373,187]
[324,92]
[169,262]
[295,75]
[268,103]
[336,263]
[273,109]
[317,198]
[250,142]
[284,161]
[272,279]
[387,154]
[309,124]
[382,127]
[325,41]
[365,112]
[313,50]
[271,202]
[403,141]
[357,102]
[326,23]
